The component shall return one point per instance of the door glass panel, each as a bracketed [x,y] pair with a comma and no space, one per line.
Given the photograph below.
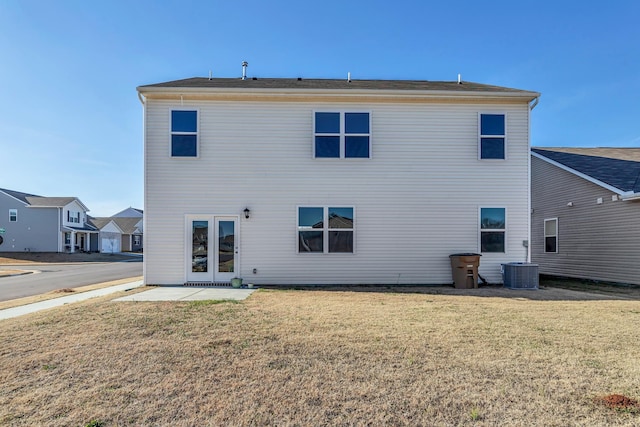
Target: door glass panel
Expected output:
[226,246]
[200,248]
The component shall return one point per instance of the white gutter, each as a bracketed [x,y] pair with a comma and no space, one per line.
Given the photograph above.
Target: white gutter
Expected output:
[141,98]
[632,196]
[531,96]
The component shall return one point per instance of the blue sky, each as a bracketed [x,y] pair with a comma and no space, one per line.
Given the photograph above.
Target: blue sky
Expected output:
[71,122]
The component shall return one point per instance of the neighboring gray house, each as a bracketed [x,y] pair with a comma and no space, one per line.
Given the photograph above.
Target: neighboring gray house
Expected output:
[586,213]
[327,181]
[118,234]
[43,224]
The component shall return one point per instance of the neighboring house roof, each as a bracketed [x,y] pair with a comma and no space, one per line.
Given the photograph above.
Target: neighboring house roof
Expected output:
[129,213]
[126,225]
[18,195]
[98,222]
[87,227]
[622,176]
[620,153]
[53,202]
[266,84]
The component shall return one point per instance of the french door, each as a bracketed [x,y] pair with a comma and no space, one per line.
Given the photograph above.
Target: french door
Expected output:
[212,248]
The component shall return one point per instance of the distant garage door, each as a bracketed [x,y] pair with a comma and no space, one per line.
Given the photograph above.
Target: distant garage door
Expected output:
[110,245]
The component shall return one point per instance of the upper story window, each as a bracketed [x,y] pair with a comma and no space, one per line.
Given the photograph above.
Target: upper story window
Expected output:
[325,229]
[493,136]
[551,235]
[13,215]
[184,133]
[342,135]
[73,217]
[493,227]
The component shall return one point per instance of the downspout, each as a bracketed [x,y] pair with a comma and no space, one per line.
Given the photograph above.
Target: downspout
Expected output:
[143,101]
[532,105]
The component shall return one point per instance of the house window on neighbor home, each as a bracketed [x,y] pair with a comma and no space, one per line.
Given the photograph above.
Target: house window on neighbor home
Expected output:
[67,238]
[551,235]
[325,229]
[73,217]
[492,136]
[136,240]
[13,215]
[493,226]
[342,135]
[184,133]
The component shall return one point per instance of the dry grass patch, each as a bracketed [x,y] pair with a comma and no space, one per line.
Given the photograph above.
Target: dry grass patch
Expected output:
[323,358]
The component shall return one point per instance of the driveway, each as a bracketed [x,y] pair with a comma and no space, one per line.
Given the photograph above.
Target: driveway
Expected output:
[49,277]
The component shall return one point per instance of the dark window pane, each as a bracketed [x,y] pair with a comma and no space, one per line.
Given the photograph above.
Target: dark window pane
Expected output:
[226,246]
[327,146]
[310,241]
[184,121]
[183,145]
[492,241]
[550,244]
[341,241]
[356,122]
[492,124]
[327,122]
[356,146]
[310,217]
[340,217]
[492,148]
[200,248]
[492,218]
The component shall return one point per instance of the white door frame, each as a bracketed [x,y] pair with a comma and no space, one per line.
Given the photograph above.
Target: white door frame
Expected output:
[212,275]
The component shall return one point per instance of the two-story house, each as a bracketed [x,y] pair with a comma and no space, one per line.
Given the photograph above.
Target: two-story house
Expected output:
[43,224]
[298,181]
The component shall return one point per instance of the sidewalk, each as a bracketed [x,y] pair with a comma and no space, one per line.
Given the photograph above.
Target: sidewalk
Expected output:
[57,302]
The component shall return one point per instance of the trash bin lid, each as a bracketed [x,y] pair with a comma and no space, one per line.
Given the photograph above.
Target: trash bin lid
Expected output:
[466,254]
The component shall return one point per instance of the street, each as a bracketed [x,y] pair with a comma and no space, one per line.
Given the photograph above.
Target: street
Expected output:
[49,277]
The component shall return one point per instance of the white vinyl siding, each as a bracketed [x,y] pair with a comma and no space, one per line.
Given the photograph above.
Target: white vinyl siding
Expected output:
[417,199]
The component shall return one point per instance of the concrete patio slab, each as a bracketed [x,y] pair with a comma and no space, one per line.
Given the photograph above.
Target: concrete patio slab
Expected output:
[181,293]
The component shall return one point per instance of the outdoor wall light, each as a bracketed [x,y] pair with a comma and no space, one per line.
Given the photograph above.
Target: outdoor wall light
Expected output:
[246,213]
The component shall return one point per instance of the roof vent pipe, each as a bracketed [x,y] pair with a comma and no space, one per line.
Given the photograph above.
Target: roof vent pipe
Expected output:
[245,64]
[459,79]
[349,76]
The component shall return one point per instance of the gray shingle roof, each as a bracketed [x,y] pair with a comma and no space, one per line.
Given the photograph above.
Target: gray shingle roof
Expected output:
[50,201]
[18,195]
[621,174]
[127,225]
[333,84]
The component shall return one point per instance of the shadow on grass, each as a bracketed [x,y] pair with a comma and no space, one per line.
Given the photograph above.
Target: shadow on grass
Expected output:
[550,290]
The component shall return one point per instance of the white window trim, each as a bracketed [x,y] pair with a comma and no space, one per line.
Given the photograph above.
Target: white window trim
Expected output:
[550,235]
[325,230]
[13,212]
[481,230]
[196,133]
[342,135]
[480,135]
